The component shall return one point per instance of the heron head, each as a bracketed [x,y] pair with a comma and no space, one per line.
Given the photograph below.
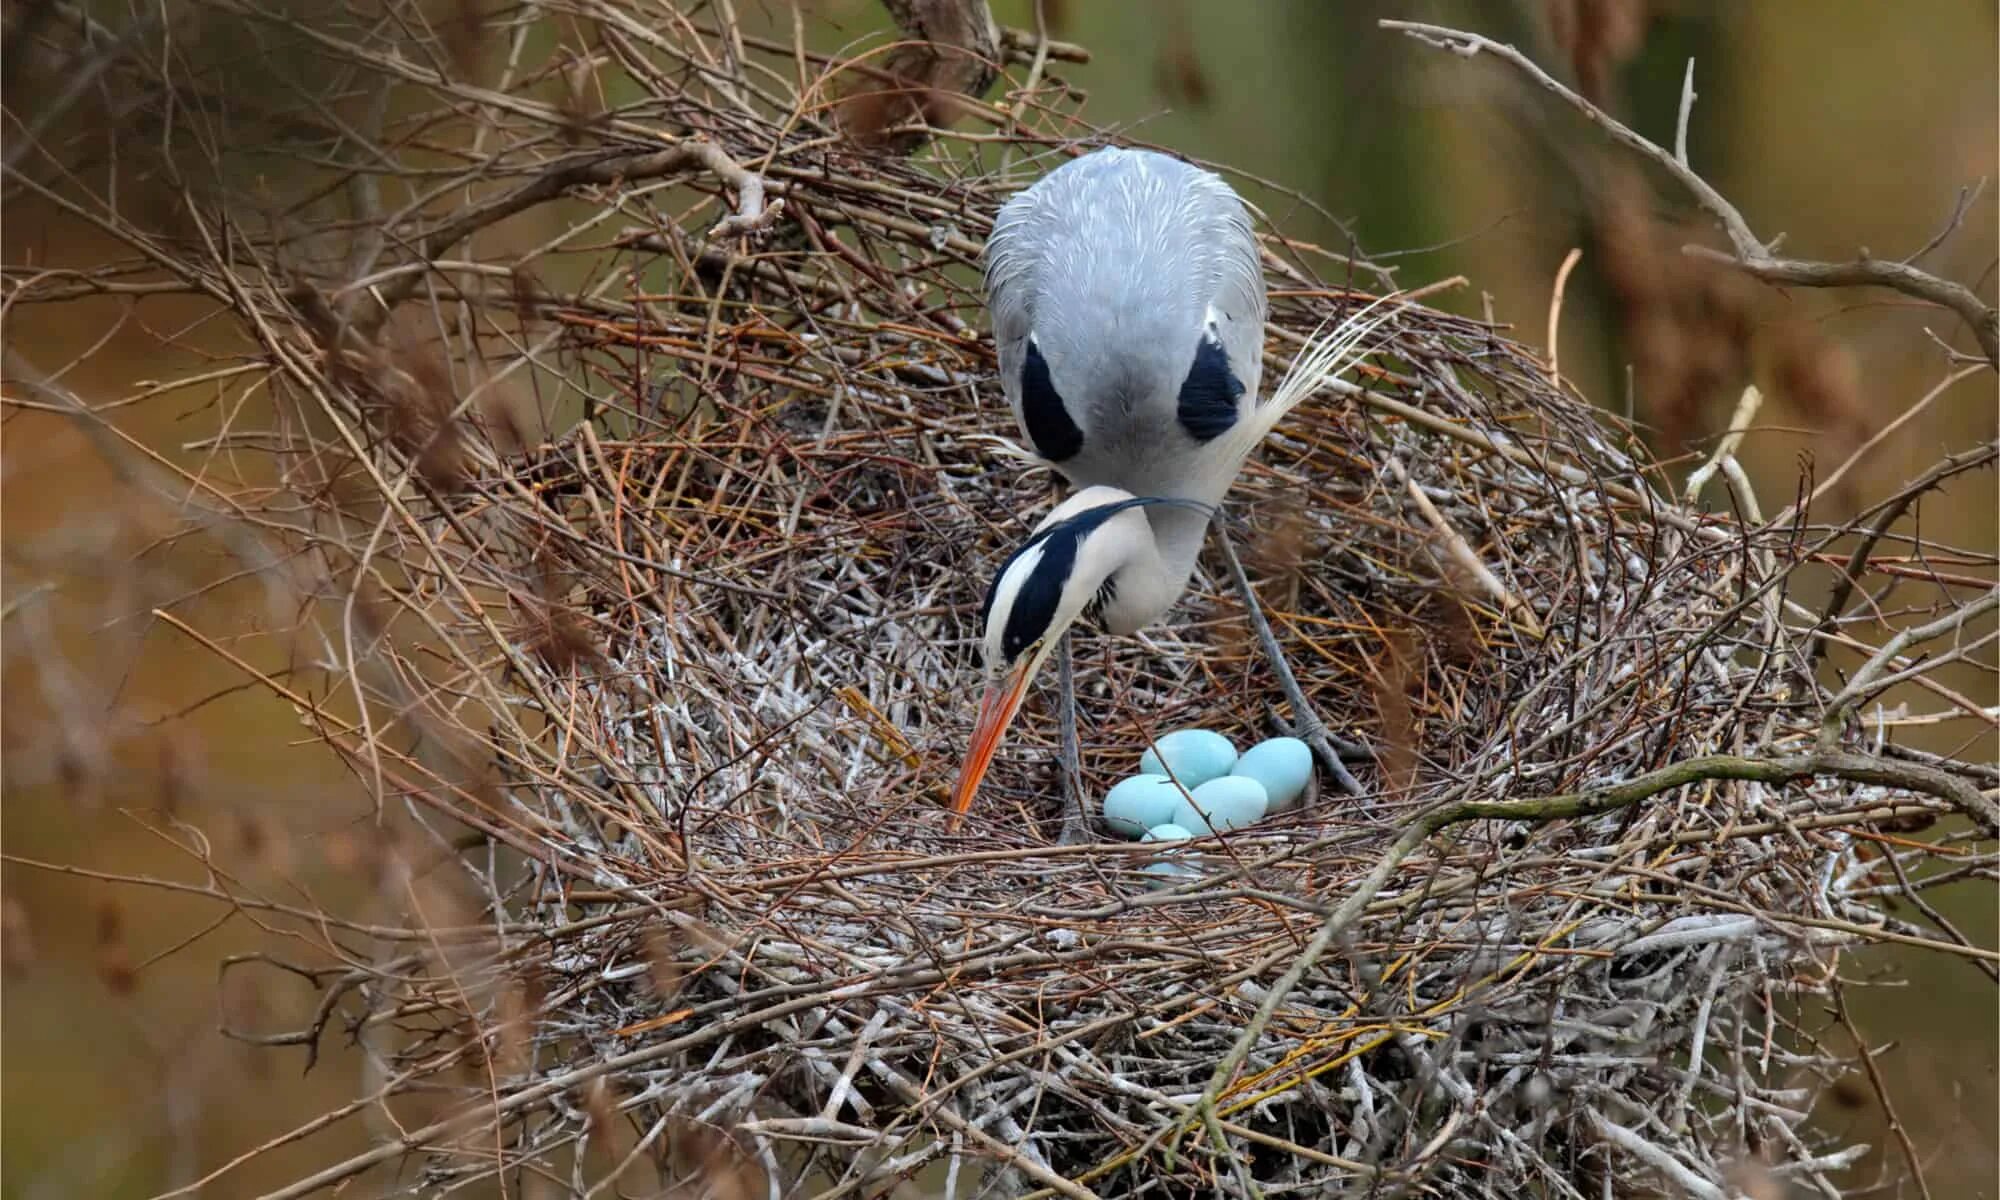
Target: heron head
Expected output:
[1078,560]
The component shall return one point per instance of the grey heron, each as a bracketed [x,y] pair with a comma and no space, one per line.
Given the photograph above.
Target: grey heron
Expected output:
[1128,308]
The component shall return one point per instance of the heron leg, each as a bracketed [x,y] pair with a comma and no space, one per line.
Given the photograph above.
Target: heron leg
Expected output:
[1075,816]
[1306,725]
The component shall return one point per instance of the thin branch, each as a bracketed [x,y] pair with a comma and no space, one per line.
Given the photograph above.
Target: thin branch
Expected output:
[1892,510]
[1840,472]
[1865,678]
[752,214]
[1751,254]
[1872,272]
[1556,306]
[1739,425]
[1881,1086]
[1967,196]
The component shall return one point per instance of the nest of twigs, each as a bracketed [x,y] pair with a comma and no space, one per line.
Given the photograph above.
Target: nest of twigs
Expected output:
[659,581]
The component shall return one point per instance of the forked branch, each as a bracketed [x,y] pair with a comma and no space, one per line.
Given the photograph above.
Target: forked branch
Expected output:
[1749,253]
[752,215]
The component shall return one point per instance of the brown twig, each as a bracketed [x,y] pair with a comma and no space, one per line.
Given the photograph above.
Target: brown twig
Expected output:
[1896,1130]
[1556,306]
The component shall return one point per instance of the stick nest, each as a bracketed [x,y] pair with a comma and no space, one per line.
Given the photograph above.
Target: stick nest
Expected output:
[654,561]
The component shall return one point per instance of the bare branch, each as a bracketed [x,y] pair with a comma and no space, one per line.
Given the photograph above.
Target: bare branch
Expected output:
[1751,254]
[1891,510]
[1967,196]
[752,216]
[1872,272]
[1864,679]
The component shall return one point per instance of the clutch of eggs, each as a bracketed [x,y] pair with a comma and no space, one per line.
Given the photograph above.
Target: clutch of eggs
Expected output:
[1193,782]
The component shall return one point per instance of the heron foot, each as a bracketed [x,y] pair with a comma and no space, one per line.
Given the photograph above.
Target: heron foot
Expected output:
[1329,748]
[1309,727]
[1306,725]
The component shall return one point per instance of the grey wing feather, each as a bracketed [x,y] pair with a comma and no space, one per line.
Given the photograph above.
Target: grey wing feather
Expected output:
[1114,263]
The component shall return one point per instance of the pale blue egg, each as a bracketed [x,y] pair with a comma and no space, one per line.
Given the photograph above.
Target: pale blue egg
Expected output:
[1284,765]
[1196,756]
[1230,802]
[1137,804]
[1167,832]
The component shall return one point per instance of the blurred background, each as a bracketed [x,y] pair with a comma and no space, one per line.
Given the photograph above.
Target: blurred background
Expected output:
[1844,124]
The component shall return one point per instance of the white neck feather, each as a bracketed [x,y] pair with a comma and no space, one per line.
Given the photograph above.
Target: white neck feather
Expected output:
[1156,554]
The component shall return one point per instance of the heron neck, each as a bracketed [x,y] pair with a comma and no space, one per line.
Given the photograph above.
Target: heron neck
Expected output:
[1179,533]
[1148,587]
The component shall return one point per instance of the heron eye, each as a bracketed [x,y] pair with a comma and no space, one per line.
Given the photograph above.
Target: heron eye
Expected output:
[1050,427]
[1210,393]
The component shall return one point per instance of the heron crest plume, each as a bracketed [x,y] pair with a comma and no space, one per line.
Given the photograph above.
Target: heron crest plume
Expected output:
[1327,355]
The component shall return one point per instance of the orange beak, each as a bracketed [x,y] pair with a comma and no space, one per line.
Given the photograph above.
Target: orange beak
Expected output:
[996,711]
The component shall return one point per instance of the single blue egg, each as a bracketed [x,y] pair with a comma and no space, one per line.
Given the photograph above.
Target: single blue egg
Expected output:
[1171,870]
[1137,804]
[1196,756]
[1284,765]
[1167,832]
[1230,802]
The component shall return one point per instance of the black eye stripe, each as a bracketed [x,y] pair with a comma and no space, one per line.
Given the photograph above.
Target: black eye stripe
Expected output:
[1209,394]
[1035,602]
[1050,428]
